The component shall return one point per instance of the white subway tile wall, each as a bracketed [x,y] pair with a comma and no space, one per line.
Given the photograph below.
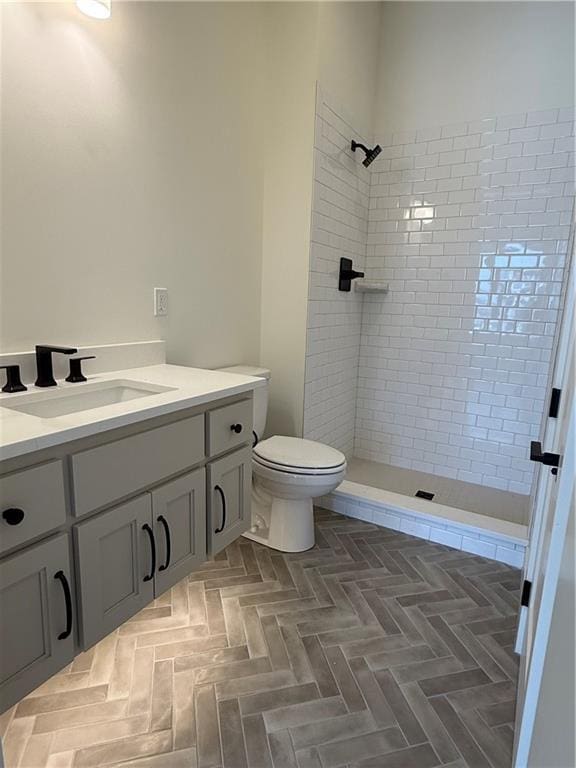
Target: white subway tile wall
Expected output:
[339,228]
[470,225]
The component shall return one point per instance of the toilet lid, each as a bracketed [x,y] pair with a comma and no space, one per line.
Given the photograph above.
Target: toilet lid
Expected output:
[298,453]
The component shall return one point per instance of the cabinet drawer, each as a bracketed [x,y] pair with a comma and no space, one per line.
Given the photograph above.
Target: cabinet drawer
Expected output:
[113,471]
[39,494]
[229,426]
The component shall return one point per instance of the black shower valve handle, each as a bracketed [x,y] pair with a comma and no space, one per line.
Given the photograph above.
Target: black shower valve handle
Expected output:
[346,274]
[76,374]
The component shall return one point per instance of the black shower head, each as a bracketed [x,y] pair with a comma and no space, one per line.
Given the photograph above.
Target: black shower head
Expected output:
[371,154]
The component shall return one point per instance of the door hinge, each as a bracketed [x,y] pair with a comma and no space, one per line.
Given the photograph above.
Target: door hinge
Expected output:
[554,403]
[526,590]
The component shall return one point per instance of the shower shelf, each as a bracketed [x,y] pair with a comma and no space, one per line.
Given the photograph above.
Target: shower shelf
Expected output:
[371,286]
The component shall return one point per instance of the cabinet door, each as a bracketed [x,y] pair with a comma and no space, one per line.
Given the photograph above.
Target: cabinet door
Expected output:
[37,628]
[179,512]
[229,498]
[117,560]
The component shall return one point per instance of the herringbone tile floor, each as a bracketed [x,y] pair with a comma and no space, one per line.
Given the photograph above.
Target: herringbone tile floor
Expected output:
[373,650]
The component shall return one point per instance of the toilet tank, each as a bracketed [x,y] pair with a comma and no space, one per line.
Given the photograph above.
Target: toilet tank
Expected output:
[260,394]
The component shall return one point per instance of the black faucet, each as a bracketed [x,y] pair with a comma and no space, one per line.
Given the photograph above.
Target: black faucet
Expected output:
[44,363]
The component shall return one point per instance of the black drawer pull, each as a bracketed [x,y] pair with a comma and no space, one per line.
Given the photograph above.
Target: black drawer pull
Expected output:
[236,428]
[61,577]
[13,516]
[162,519]
[221,492]
[150,533]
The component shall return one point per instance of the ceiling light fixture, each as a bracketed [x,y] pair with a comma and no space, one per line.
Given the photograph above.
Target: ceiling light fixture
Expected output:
[96,9]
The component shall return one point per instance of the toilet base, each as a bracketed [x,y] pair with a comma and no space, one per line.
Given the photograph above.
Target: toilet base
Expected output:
[283,524]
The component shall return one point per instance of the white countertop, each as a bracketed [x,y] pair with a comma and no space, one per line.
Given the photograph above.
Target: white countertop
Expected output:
[21,433]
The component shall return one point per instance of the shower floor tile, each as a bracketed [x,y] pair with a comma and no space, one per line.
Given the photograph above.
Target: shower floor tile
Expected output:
[372,650]
[503,505]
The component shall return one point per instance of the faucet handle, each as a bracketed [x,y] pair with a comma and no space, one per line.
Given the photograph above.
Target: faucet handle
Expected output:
[76,374]
[13,380]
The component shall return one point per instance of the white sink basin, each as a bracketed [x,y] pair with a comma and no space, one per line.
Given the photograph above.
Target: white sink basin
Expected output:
[60,402]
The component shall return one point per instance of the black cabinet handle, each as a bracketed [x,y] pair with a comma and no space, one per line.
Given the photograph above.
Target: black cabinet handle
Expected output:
[150,533]
[549,459]
[13,516]
[162,519]
[236,428]
[61,577]
[221,492]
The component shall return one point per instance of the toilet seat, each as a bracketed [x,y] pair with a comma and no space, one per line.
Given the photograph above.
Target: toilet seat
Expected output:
[298,456]
[257,462]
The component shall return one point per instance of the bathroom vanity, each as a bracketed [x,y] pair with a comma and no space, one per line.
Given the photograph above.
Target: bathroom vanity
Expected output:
[103,509]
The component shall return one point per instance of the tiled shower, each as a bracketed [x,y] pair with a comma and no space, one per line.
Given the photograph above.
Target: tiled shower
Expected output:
[469,224]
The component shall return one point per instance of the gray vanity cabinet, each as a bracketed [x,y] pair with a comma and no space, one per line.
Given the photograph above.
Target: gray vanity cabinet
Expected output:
[92,532]
[229,493]
[179,514]
[116,556]
[37,622]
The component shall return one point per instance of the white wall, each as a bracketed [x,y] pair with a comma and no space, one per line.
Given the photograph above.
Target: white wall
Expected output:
[349,45]
[171,146]
[291,33]
[448,62]
[132,159]
[337,44]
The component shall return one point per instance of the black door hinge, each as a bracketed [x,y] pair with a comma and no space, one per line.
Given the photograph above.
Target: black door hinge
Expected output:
[526,590]
[554,403]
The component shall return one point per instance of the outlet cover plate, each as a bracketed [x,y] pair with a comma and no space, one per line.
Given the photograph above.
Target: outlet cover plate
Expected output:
[160,302]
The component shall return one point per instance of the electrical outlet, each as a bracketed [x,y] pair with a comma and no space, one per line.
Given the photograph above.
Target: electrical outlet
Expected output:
[160,302]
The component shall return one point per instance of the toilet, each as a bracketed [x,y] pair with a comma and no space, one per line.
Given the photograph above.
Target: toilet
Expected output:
[288,473]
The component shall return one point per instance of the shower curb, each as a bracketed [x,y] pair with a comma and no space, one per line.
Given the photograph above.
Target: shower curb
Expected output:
[457,528]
